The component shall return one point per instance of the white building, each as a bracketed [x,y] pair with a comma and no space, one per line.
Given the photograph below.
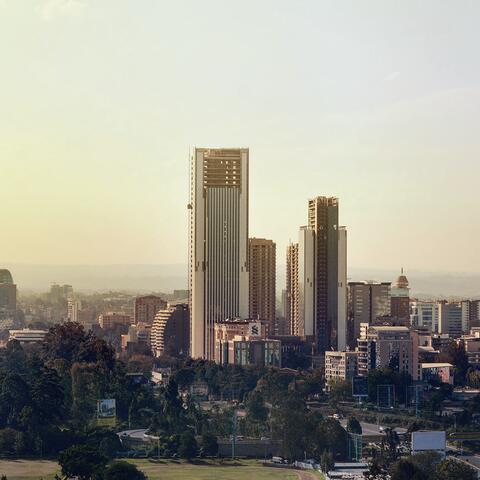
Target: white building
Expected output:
[73,307]
[27,335]
[306,275]
[218,272]
[424,314]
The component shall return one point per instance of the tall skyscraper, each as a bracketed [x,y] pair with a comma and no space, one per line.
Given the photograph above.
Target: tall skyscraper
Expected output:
[306,282]
[8,300]
[262,256]
[291,299]
[218,242]
[323,220]
[342,289]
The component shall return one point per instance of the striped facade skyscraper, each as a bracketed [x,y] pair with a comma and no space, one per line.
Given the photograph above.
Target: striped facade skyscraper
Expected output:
[218,270]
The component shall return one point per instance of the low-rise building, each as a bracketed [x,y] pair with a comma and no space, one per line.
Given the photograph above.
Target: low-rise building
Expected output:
[442,371]
[171,330]
[27,335]
[112,319]
[340,366]
[383,346]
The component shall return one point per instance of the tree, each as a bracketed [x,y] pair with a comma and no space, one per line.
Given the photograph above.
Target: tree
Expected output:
[82,461]
[188,446]
[327,461]
[340,390]
[353,426]
[454,470]
[404,469]
[209,445]
[122,470]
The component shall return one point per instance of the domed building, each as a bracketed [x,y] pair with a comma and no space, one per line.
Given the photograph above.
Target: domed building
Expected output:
[400,301]
[8,300]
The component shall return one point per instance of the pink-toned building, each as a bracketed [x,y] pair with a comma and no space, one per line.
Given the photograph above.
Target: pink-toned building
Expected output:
[113,319]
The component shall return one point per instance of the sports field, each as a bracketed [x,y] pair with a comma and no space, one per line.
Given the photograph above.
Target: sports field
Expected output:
[166,470]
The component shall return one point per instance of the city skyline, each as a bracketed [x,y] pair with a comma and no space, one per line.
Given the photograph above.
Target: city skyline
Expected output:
[401,138]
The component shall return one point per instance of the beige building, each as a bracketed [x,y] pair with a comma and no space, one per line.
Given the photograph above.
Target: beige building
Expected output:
[218,271]
[340,366]
[170,332]
[113,319]
[291,294]
[383,346]
[146,307]
[262,274]
[227,330]
[472,346]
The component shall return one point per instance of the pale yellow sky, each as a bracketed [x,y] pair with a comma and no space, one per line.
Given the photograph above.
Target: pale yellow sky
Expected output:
[376,102]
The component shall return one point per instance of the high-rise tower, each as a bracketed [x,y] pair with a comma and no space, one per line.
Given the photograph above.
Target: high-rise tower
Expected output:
[323,220]
[262,255]
[218,242]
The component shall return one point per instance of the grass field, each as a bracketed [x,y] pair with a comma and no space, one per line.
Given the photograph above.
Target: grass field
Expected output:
[164,470]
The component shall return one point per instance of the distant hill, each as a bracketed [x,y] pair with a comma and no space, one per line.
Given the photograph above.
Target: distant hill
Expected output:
[136,278]
[166,278]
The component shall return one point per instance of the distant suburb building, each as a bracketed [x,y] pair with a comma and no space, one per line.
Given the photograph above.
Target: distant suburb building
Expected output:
[27,335]
[146,307]
[171,331]
[112,319]
[219,277]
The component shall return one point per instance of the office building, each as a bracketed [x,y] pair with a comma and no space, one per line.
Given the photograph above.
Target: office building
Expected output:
[323,220]
[340,366]
[305,322]
[262,272]
[400,301]
[73,308]
[424,315]
[368,302]
[171,331]
[342,290]
[384,346]
[291,300]
[452,318]
[218,269]
[146,307]
[8,299]
[112,319]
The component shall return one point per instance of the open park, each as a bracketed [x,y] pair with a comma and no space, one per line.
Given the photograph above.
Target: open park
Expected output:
[166,470]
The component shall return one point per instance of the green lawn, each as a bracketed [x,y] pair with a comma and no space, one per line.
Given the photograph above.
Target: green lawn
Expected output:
[28,469]
[212,470]
[164,470]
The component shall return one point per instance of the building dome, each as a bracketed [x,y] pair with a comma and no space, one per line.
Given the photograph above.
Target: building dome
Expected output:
[5,276]
[402,280]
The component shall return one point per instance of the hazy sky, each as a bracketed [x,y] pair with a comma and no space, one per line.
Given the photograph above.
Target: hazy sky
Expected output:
[376,102]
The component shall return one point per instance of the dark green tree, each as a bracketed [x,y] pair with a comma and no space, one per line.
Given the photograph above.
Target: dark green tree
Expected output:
[82,461]
[353,425]
[121,470]
[188,446]
[209,445]
[404,469]
[455,470]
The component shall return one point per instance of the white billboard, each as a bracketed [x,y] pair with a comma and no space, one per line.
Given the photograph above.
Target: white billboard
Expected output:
[428,440]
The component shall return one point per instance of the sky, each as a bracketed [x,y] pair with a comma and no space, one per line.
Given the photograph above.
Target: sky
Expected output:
[376,102]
